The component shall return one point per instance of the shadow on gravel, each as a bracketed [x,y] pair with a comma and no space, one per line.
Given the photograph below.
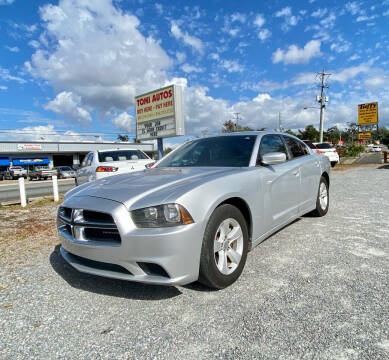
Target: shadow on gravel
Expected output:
[384,167]
[111,287]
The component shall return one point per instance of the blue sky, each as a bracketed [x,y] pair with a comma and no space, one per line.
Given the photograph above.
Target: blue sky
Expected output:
[70,67]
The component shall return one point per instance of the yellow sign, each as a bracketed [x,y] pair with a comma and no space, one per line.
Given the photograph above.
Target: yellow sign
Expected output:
[368,113]
[155,105]
[159,113]
[364,136]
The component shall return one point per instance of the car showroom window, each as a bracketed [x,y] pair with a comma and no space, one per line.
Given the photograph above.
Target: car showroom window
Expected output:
[271,143]
[295,147]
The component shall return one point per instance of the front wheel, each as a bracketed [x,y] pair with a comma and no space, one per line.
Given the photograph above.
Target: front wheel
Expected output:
[224,249]
[323,198]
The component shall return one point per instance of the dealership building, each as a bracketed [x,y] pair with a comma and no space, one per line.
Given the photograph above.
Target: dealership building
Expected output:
[29,154]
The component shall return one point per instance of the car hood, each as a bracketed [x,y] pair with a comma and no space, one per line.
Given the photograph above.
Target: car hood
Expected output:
[155,185]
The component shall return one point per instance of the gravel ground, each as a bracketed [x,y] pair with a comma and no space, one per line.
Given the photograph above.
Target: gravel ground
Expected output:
[318,289]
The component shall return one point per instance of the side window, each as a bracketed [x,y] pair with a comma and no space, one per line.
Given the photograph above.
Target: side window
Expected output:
[89,159]
[271,143]
[296,148]
[83,164]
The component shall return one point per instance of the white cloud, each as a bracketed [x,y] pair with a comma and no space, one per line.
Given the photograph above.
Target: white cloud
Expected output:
[69,105]
[14,49]
[3,87]
[264,34]
[6,76]
[181,57]
[259,20]
[319,13]
[238,17]
[295,55]
[42,133]
[6,2]
[262,97]
[96,52]
[33,43]
[187,68]
[354,7]
[187,39]
[289,19]
[365,18]
[286,11]
[350,73]
[123,121]
[377,81]
[231,66]
[341,45]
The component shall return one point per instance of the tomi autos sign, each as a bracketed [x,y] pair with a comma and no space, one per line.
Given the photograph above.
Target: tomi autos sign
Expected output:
[159,114]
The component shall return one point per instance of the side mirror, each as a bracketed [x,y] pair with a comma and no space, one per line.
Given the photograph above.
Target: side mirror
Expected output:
[273,158]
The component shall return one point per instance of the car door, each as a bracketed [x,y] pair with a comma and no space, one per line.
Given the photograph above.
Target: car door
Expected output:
[309,168]
[84,170]
[281,184]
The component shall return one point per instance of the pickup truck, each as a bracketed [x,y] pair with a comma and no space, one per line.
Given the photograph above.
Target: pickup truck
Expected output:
[41,172]
[15,172]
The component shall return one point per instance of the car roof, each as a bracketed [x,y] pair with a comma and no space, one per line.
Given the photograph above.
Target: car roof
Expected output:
[106,150]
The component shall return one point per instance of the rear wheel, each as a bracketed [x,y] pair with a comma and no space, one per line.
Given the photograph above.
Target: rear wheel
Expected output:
[323,198]
[333,163]
[224,250]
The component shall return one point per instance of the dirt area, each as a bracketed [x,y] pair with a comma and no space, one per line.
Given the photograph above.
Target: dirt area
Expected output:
[26,233]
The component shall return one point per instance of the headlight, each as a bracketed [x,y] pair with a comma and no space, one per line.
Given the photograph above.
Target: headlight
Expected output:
[161,216]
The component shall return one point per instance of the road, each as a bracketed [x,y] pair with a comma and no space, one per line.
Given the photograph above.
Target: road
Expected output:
[317,289]
[10,191]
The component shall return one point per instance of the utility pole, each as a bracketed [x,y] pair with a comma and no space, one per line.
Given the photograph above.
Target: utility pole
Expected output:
[322,100]
[236,114]
[279,121]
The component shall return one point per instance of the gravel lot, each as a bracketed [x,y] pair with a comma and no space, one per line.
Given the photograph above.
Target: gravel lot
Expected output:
[318,289]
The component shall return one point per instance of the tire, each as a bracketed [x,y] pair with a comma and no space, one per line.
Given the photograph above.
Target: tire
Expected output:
[218,269]
[322,205]
[333,163]
[75,181]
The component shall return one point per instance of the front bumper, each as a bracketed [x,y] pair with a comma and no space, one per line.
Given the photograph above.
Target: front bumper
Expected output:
[175,250]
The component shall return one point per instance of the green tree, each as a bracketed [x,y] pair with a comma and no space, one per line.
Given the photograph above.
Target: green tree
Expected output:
[309,133]
[123,137]
[290,132]
[229,126]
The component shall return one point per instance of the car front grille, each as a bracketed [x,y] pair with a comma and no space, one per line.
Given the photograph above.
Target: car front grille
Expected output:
[89,227]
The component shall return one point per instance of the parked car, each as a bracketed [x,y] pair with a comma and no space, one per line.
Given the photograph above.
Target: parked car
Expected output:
[328,150]
[15,172]
[196,213]
[41,172]
[65,172]
[310,144]
[375,148]
[102,163]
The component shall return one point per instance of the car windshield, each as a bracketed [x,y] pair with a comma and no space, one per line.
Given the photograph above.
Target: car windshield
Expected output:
[217,151]
[310,144]
[65,168]
[324,146]
[121,155]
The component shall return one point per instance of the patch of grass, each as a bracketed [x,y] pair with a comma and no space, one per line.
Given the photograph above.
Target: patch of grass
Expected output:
[44,201]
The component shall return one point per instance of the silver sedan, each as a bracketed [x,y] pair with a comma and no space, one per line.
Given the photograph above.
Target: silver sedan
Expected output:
[196,213]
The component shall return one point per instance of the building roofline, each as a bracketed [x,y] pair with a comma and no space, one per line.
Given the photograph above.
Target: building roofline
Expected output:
[71,142]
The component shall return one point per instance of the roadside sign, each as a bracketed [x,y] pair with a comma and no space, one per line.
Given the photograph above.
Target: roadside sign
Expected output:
[364,136]
[368,113]
[159,113]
